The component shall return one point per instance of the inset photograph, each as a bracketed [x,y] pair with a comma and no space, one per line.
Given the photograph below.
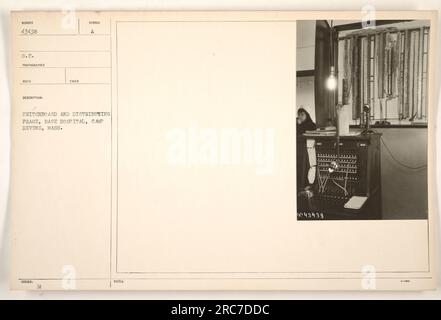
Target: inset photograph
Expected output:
[362,114]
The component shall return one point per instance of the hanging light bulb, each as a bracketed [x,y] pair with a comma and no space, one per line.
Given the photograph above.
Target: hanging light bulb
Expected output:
[331,81]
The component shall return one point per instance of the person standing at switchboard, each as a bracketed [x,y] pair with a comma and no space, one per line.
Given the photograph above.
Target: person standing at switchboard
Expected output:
[304,123]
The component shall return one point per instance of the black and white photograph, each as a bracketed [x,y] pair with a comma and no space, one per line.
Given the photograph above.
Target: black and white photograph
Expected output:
[362,115]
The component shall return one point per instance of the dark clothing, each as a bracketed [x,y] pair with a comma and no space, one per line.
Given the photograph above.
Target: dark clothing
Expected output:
[306,125]
[302,155]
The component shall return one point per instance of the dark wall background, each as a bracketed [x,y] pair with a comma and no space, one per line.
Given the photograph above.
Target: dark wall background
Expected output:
[404,191]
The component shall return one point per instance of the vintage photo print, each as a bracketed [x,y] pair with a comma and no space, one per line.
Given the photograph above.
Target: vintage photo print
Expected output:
[362,115]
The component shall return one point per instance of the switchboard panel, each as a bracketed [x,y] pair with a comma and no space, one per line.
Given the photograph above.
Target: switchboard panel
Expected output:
[344,168]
